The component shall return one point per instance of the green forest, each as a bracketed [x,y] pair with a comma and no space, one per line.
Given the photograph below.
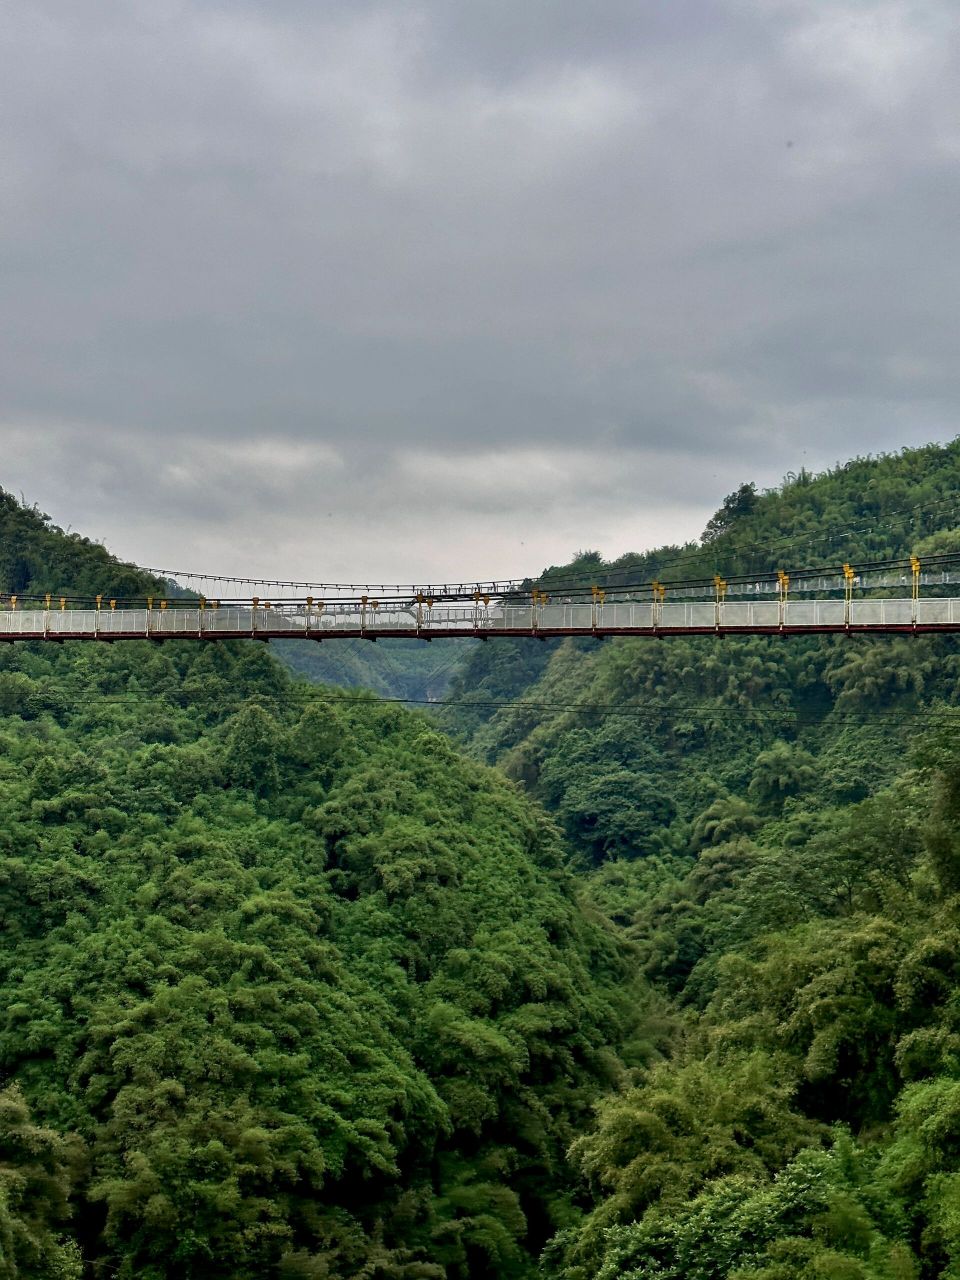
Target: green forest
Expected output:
[631,958]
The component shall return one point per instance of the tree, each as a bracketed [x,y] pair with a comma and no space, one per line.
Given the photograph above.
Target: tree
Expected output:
[36,1167]
[782,770]
[736,506]
[252,744]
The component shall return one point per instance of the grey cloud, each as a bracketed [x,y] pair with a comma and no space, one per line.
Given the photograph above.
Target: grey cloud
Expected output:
[317,513]
[696,239]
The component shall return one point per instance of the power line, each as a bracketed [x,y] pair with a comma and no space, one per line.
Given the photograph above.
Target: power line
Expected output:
[639,709]
[805,579]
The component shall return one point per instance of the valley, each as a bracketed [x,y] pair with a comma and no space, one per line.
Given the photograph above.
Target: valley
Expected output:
[620,959]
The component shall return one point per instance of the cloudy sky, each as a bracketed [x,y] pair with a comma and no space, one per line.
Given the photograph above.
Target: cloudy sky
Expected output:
[434,288]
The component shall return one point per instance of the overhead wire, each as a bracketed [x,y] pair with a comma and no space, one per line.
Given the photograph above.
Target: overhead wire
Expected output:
[505,590]
[306,696]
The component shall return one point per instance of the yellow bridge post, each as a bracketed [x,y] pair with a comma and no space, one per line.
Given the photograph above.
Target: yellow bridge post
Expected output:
[783,590]
[849,576]
[915,570]
[656,615]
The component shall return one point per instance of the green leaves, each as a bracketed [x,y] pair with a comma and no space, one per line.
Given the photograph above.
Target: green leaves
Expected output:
[37,1167]
[251,751]
[824,1215]
[310,986]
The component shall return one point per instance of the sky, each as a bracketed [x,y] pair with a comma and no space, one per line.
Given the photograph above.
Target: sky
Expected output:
[451,289]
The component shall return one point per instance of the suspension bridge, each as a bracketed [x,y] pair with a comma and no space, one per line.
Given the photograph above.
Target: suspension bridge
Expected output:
[889,597]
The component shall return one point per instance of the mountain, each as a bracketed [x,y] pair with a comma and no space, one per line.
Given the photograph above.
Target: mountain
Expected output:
[773,824]
[685,717]
[288,986]
[661,985]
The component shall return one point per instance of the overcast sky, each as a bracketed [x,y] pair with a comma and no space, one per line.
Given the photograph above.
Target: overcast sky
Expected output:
[457,287]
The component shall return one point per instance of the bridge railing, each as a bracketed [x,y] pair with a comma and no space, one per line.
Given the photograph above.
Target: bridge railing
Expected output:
[554,617]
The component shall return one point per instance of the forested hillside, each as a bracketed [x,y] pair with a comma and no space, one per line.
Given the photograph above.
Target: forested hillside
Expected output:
[417,670]
[288,987]
[774,825]
[291,987]
[630,741]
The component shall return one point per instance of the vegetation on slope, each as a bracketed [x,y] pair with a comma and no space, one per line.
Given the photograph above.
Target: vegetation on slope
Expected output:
[291,988]
[804,1125]
[624,739]
[774,825]
[287,986]
[414,670]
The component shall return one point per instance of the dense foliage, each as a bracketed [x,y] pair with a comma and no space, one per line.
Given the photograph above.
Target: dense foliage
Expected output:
[774,825]
[414,670]
[288,987]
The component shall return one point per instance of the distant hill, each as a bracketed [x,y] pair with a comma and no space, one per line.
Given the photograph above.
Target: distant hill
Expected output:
[870,508]
[36,556]
[414,669]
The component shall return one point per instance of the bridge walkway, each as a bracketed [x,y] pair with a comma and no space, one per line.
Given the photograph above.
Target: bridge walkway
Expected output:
[411,619]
